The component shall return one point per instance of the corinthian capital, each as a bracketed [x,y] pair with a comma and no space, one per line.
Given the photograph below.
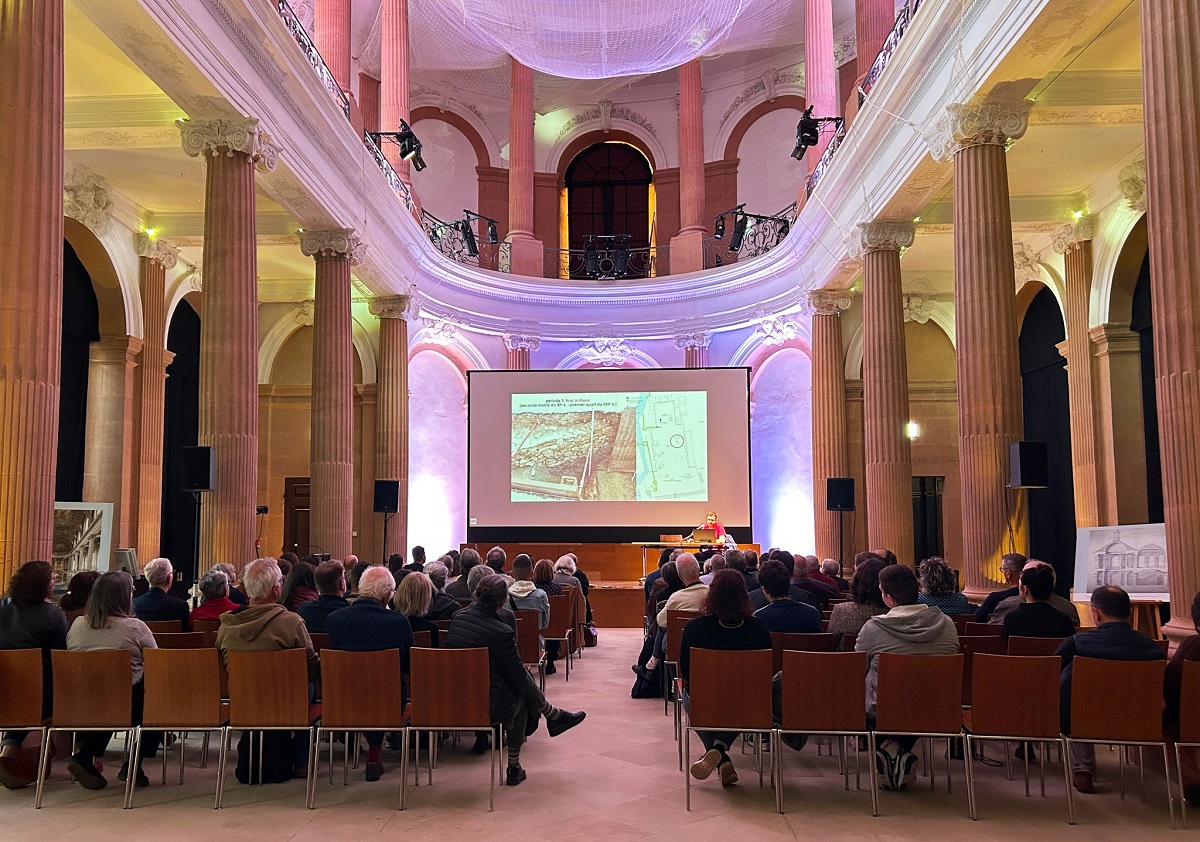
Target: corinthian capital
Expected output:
[695,339]
[391,306]
[879,236]
[993,121]
[1133,184]
[335,241]
[240,134]
[159,250]
[825,302]
[1072,234]
[86,199]
[522,342]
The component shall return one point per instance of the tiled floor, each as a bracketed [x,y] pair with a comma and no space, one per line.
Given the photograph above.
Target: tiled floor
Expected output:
[615,777]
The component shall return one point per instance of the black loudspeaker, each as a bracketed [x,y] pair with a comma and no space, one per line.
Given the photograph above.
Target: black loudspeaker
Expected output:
[387,495]
[199,468]
[839,494]
[1028,465]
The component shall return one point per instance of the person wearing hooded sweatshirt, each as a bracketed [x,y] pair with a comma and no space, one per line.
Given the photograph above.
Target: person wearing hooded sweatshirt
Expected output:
[908,628]
[524,595]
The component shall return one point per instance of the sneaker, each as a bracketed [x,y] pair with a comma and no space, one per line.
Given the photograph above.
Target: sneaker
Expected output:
[705,766]
[514,776]
[885,765]
[483,742]
[374,771]
[1082,781]
[563,721]
[84,770]
[907,769]
[727,772]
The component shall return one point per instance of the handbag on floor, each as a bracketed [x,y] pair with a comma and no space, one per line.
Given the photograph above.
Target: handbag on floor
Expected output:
[276,757]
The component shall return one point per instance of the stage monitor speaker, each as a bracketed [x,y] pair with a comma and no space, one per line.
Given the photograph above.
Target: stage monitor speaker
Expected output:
[387,495]
[839,494]
[1028,465]
[199,468]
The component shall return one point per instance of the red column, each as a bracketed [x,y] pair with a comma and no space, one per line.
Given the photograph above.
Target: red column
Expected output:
[873,20]
[233,149]
[391,428]
[519,346]
[820,71]
[527,256]
[393,93]
[331,34]
[687,249]
[31,248]
[829,453]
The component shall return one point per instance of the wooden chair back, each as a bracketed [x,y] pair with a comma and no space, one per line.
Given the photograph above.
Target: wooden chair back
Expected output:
[919,693]
[361,690]
[268,689]
[676,620]
[1189,703]
[824,691]
[1031,646]
[21,678]
[848,641]
[969,645]
[319,640]
[824,625]
[981,629]
[528,644]
[92,689]
[181,640]
[560,617]
[206,625]
[960,622]
[813,642]
[730,689]
[1119,701]
[444,625]
[1015,695]
[183,688]
[423,638]
[451,688]
[164,626]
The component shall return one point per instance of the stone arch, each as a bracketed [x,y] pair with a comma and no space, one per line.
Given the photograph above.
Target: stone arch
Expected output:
[115,282]
[1118,265]
[462,353]
[737,130]
[289,323]
[941,313]
[570,145]
[483,151]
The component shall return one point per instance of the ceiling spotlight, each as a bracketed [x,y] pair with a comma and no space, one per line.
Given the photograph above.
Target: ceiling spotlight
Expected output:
[739,232]
[808,131]
[719,227]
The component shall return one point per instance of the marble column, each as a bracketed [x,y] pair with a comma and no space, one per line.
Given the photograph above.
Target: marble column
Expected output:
[1118,395]
[1074,243]
[31,249]
[695,348]
[687,248]
[820,70]
[829,451]
[886,447]
[974,136]
[331,441]
[393,93]
[1171,102]
[331,34]
[391,426]
[527,255]
[519,346]
[233,149]
[155,257]
[109,455]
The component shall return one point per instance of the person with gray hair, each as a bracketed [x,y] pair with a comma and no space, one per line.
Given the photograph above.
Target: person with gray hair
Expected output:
[235,593]
[214,587]
[442,606]
[460,588]
[832,568]
[564,572]
[158,605]
[369,626]
[690,597]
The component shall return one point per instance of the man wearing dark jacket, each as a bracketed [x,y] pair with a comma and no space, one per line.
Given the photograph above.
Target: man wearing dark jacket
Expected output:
[459,587]
[1113,639]
[417,565]
[1011,566]
[156,603]
[1036,616]
[515,698]
[331,585]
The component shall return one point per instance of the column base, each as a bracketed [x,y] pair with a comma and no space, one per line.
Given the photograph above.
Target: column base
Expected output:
[687,252]
[1178,630]
[528,257]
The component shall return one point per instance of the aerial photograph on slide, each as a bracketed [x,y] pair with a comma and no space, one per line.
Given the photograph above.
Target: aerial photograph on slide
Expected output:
[609,446]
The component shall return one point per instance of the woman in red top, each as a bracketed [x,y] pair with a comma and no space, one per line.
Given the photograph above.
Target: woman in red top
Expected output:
[214,587]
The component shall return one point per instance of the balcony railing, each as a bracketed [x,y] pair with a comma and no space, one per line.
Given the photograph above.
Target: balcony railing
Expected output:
[826,159]
[448,238]
[607,260]
[398,186]
[313,55]
[762,234]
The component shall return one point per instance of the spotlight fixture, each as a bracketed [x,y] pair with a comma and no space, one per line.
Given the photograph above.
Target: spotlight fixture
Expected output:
[739,232]
[591,258]
[719,227]
[621,256]
[468,236]
[468,233]
[808,131]
[406,139]
[491,232]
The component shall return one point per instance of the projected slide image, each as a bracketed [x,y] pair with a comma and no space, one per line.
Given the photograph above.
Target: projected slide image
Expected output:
[638,446]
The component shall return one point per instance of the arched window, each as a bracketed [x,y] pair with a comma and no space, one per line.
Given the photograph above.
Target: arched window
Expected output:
[608,193]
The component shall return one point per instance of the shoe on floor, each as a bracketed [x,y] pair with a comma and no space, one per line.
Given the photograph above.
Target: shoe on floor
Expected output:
[1082,781]
[643,672]
[562,721]
[887,764]
[84,771]
[483,743]
[141,781]
[727,772]
[705,766]
[374,771]
[1023,749]
[908,768]
[514,776]
[12,776]
[550,668]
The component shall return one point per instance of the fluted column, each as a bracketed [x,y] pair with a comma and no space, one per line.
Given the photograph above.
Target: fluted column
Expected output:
[391,425]
[695,348]
[1074,242]
[109,456]
[393,92]
[31,248]
[331,441]
[829,452]
[974,135]
[820,70]
[1171,97]
[154,259]
[232,149]
[331,34]
[1120,425]
[519,345]
[527,256]
[687,249]
[873,20]
[886,448]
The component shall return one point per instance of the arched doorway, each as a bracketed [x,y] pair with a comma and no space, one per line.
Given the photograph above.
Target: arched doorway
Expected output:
[608,195]
[80,328]
[1142,324]
[181,419]
[1047,409]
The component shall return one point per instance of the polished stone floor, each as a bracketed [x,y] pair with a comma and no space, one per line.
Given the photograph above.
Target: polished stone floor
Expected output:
[615,777]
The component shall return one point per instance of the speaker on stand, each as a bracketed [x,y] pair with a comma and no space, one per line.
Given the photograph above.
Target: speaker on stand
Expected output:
[1028,467]
[839,497]
[199,475]
[387,501]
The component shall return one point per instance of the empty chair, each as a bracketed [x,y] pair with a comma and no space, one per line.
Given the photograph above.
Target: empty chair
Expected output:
[969,646]
[560,627]
[164,626]
[814,642]
[319,640]
[1189,722]
[529,643]
[1034,645]
[981,629]
[423,638]
[182,640]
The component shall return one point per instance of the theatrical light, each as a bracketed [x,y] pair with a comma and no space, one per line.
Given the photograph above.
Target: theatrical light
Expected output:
[739,233]
[469,238]
[493,238]
[410,145]
[913,430]
[1077,215]
[621,257]
[916,219]
[151,233]
[591,258]
[808,131]
[719,227]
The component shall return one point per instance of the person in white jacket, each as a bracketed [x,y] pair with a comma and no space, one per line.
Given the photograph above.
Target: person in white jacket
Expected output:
[524,595]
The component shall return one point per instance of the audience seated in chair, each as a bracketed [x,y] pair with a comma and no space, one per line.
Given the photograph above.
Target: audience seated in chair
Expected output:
[442,606]
[1011,566]
[74,601]
[417,565]
[832,568]
[214,589]
[330,578]
[236,594]
[1061,603]
[1189,758]
[796,592]
[783,614]
[1036,616]
[940,589]
[564,572]
[414,593]
[299,585]
[353,577]
[908,628]
[516,700]
[460,588]
[689,597]
[817,574]
[157,603]
[524,594]
[866,601]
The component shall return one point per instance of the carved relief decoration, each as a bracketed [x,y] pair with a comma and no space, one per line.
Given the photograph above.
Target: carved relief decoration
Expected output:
[606,111]
[439,331]
[879,236]
[696,339]
[917,308]
[822,302]
[391,306]
[1132,181]
[765,86]
[606,351]
[159,250]
[992,121]
[1072,234]
[776,329]
[522,342]
[1026,264]
[333,242]
[232,135]
[86,199]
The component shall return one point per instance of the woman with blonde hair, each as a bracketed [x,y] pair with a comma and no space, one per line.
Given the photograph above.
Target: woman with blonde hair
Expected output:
[414,593]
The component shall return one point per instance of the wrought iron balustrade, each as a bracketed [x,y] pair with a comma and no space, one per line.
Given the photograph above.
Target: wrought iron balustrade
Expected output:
[394,181]
[760,235]
[890,43]
[607,258]
[449,239]
[810,184]
[312,54]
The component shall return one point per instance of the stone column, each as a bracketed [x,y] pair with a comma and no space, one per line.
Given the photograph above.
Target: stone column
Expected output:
[391,426]
[687,249]
[1170,65]
[154,259]
[109,456]
[331,442]
[393,95]
[331,34]
[695,348]
[1118,395]
[527,255]
[519,346]
[31,248]
[829,452]
[974,136]
[233,149]
[1074,242]
[887,450]
[873,20]
[820,70]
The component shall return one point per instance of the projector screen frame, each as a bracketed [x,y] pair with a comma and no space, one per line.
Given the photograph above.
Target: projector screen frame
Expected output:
[602,534]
